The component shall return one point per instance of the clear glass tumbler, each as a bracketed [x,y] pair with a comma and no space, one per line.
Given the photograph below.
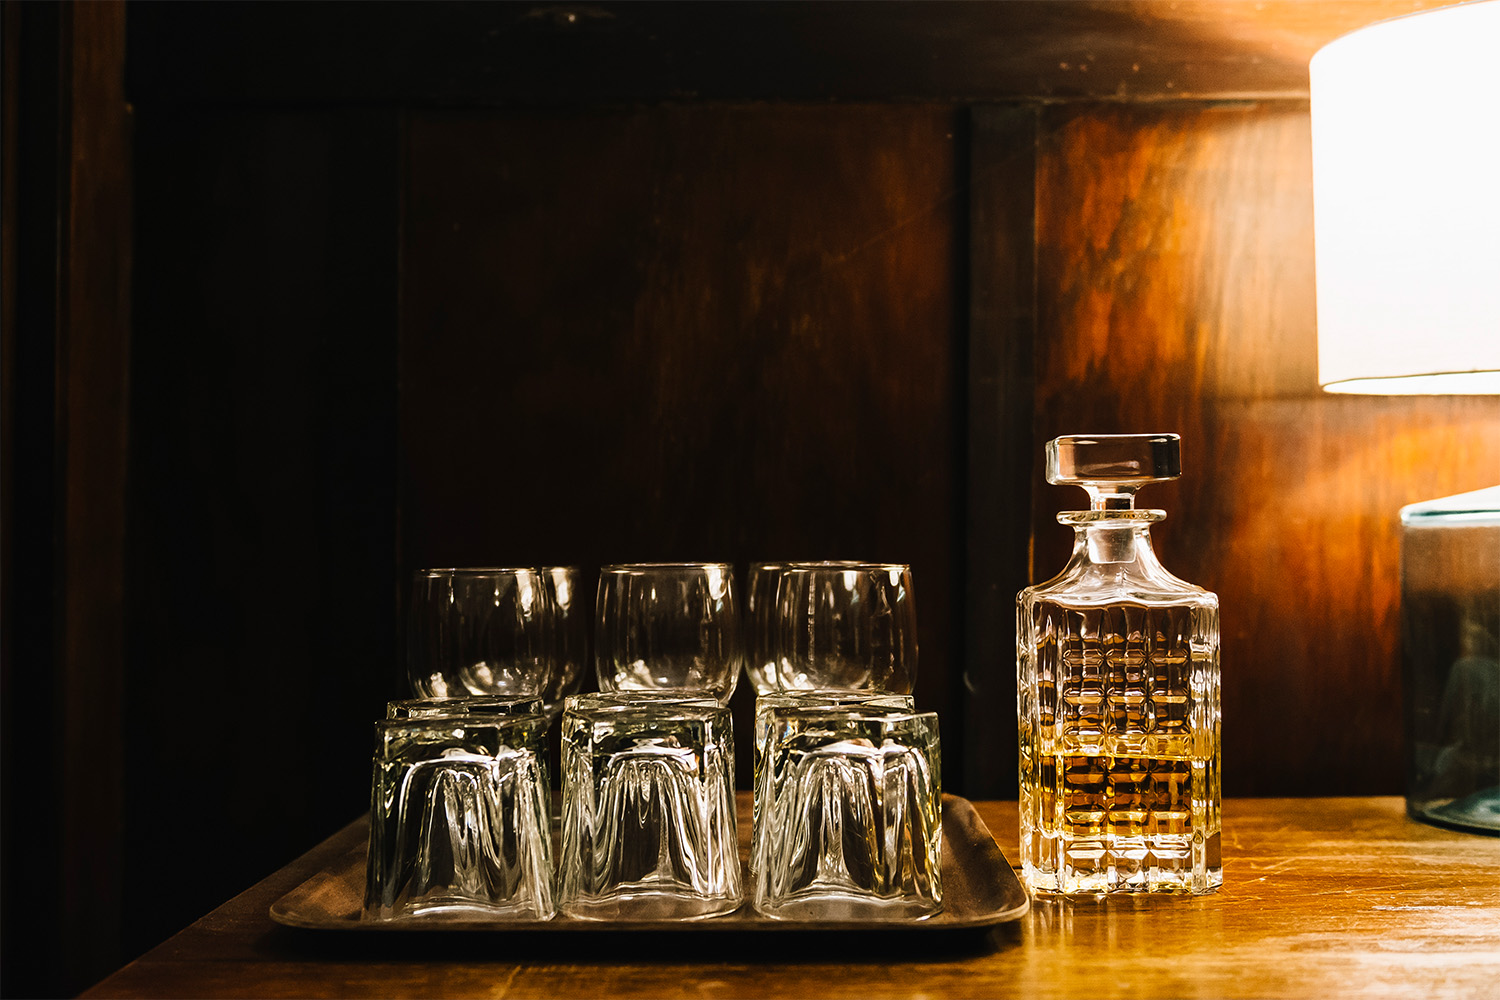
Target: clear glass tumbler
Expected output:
[573,623]
[649,829]
[850,815]
[760,624]
[766,704]
[459,819]
[846,626]
[480,632]
[668,626]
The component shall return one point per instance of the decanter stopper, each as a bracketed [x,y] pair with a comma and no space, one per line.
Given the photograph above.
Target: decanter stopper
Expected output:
[1111,467]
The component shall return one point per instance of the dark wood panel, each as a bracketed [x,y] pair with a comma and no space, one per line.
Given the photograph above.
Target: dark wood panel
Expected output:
[29,696]
[262,509]
[66,249]
[551,54]
[688,333]
[1175,280]
[93,360]
[1001,446]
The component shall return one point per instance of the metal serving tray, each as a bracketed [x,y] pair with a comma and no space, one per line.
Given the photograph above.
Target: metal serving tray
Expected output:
[979,890]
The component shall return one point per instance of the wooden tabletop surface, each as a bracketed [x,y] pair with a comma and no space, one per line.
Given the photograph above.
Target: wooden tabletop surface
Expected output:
[1321,897]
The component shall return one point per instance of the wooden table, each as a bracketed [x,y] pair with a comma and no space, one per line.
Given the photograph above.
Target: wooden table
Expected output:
[1321,898]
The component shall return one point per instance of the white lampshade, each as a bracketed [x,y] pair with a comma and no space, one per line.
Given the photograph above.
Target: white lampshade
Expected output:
[1406,197]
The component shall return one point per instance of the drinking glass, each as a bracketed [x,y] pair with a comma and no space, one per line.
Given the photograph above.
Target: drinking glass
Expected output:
[459,819]
[572,623]
[668,626]
[846,626]
[480,632]
[764,731]
[850,814]
[649,827]
[760,624]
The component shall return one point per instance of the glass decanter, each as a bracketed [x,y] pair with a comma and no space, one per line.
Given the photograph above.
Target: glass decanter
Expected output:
[1117,665]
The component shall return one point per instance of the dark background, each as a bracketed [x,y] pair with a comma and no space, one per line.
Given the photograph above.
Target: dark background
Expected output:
[300,297]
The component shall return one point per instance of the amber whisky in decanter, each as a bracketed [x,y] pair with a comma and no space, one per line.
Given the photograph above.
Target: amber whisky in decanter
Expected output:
[1118,692]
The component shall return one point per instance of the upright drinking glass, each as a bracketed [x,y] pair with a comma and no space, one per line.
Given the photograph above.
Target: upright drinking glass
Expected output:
[846,626]
[668,626]
[572,623]
[480,632]
[760,624]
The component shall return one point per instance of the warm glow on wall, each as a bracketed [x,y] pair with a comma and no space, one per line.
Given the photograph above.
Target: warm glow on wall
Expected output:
[1406,168]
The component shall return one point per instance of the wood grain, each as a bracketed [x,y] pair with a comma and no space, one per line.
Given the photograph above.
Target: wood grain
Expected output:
[640,321]
[1175,293]
[1001,441]
[739,342]
[1321,897]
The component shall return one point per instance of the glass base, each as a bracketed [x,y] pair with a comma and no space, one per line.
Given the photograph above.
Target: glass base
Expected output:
[464,908]
[833,905]
[1476,813]
[1049,884]
[651,903]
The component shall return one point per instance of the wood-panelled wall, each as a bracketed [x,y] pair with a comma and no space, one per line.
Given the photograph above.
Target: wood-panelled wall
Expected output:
[262,506]
[64,354]
[1175,293]
[692,333]
[422,284]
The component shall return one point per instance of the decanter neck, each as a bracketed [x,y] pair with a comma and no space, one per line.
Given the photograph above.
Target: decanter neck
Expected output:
[1111,496]
[1113,537]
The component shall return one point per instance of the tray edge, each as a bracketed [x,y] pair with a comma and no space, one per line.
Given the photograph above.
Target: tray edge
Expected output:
[755,924]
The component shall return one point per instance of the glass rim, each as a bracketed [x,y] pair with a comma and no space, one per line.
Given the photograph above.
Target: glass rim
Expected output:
[646,694]
[835,566]
[655,566]
[809,696]
[865,713]
[468,699]
[442,571]
[679,707]
[464,721]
